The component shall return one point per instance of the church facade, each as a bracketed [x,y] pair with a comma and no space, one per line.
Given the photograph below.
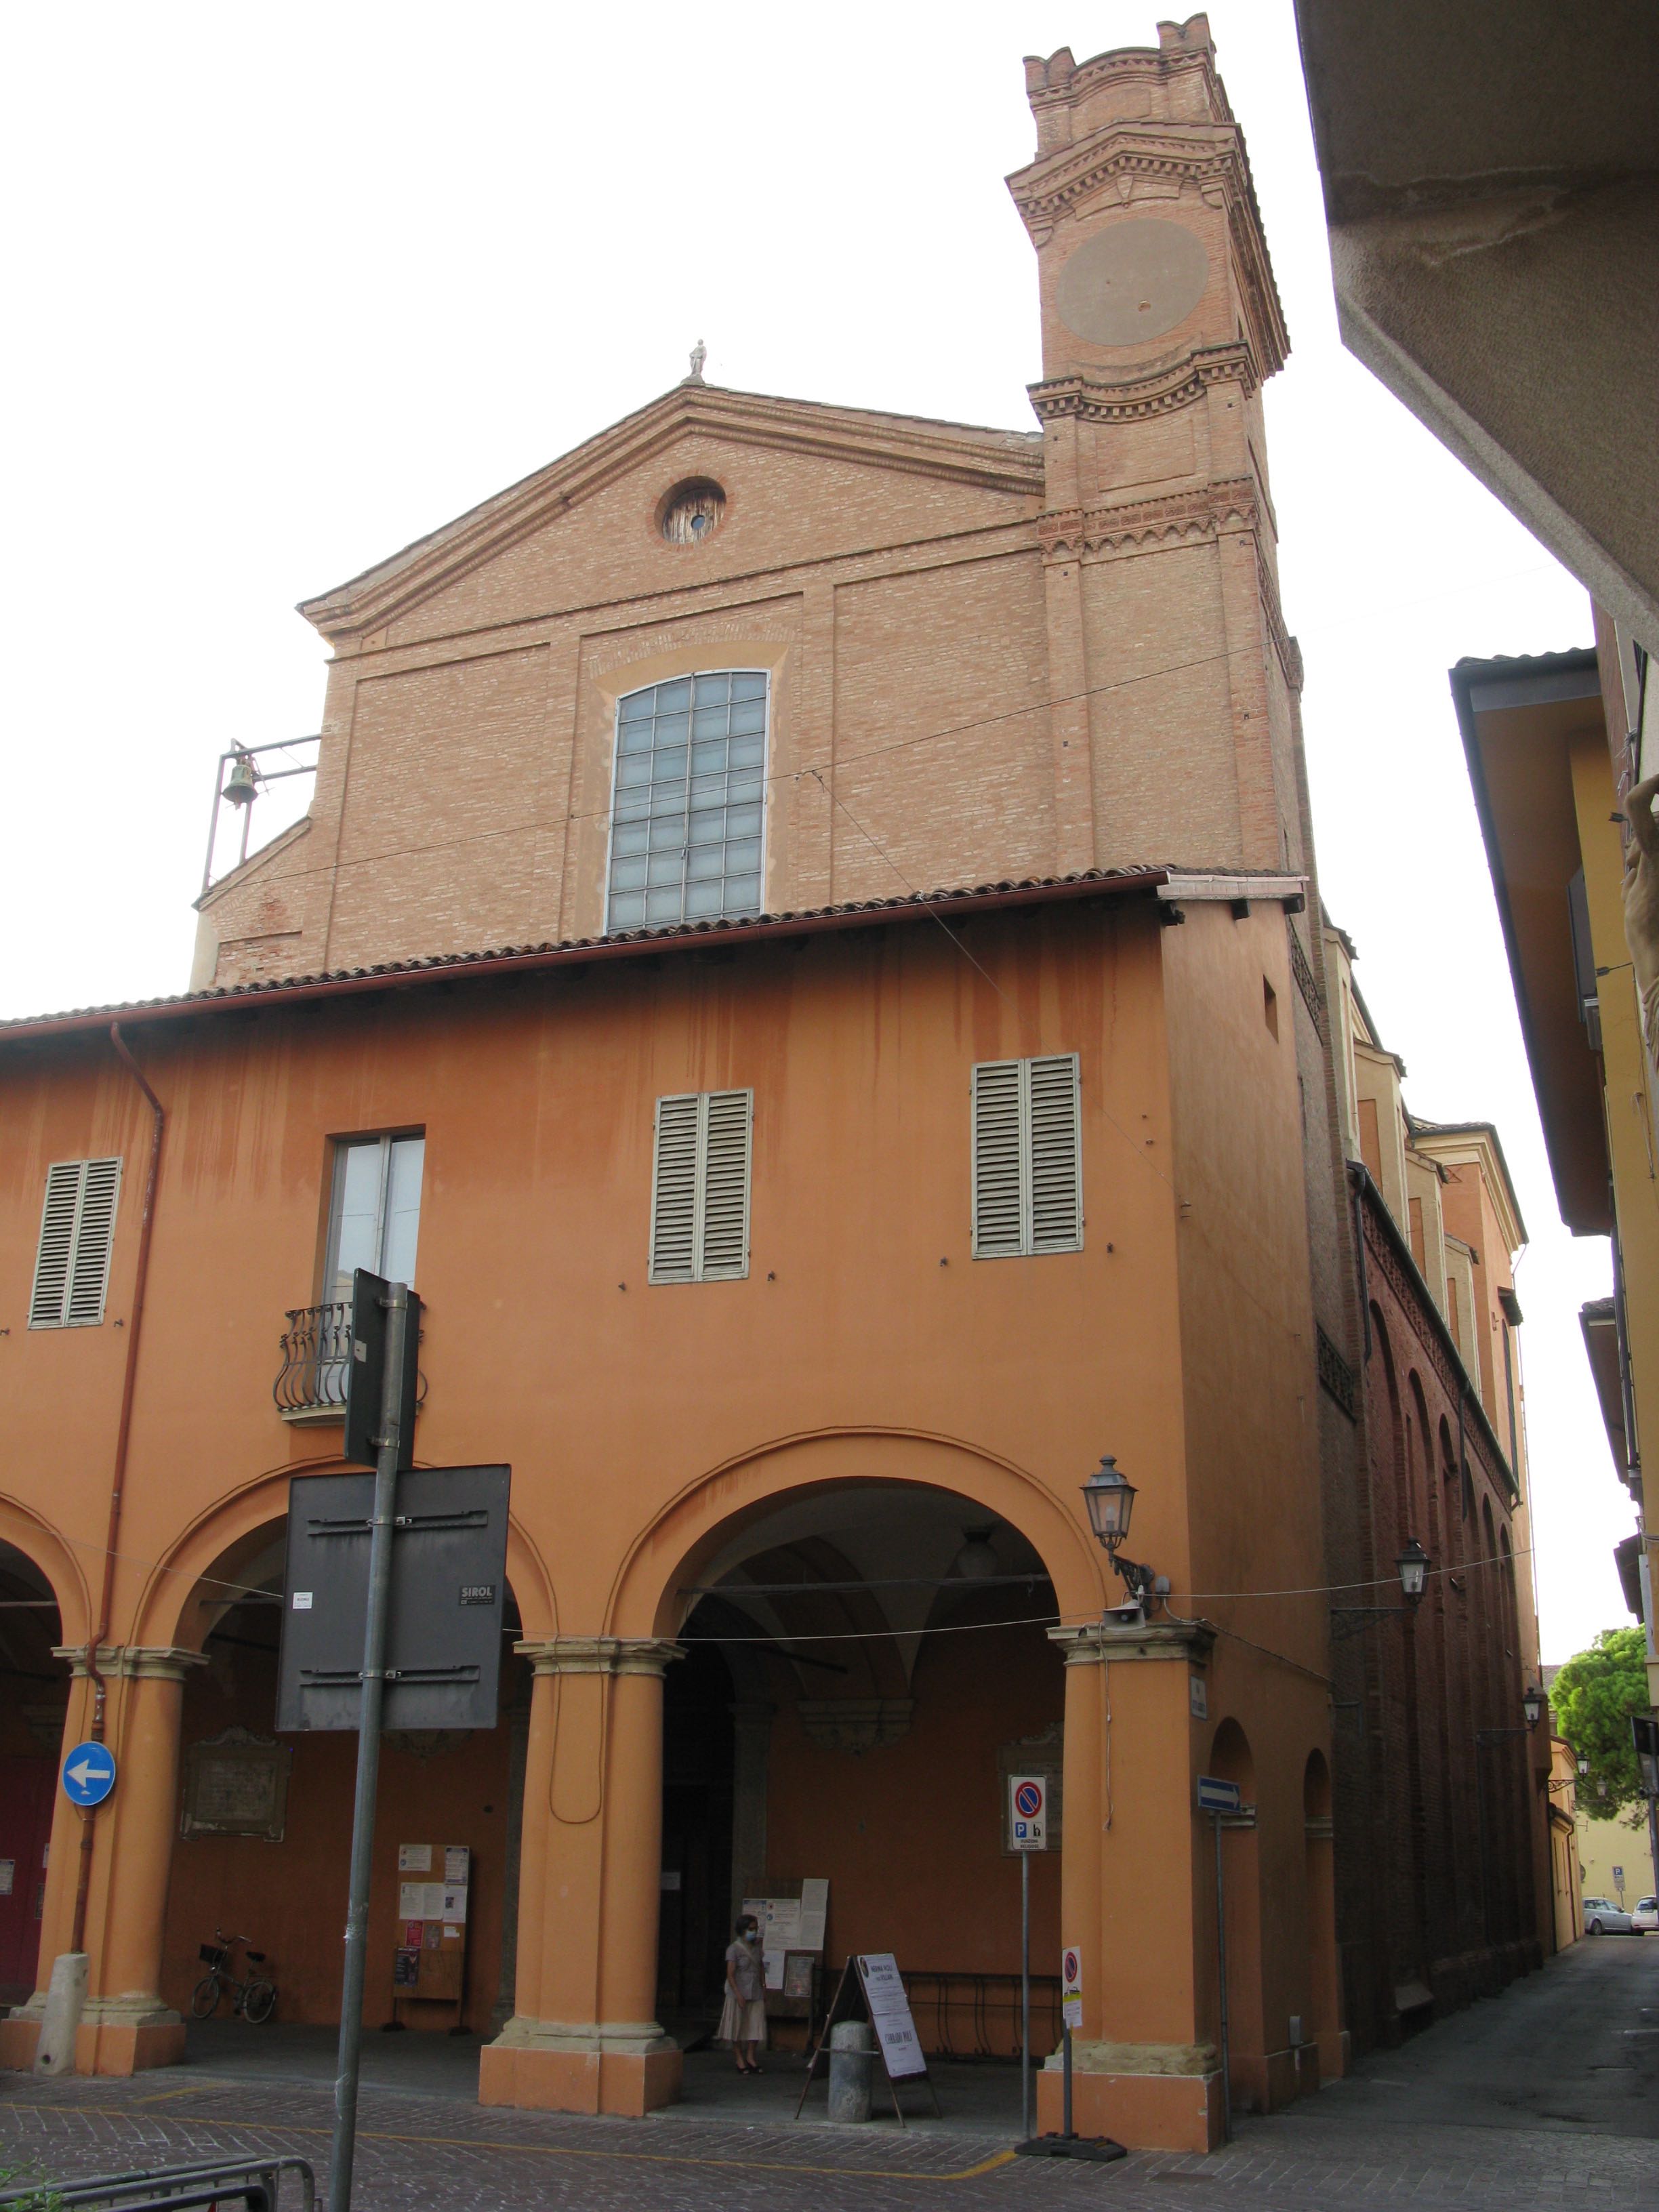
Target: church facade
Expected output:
[805,949]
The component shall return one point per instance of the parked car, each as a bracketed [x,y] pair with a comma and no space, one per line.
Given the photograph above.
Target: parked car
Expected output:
[1603,1917]
[1645,1918]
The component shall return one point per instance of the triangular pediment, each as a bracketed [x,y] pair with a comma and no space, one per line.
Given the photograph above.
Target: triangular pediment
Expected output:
[1007,462]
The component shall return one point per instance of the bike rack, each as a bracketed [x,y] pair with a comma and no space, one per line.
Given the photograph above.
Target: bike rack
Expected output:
[253,2182]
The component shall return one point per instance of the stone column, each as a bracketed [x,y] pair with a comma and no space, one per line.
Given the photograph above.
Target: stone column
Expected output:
[126,2025]
[583,2038]
[517,1723]
[1146,2067]
[751,1751]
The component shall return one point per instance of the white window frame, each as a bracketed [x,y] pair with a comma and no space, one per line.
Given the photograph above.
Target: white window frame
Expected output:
[339,1147]
[79,1299]
[698,1267]
[1028,1241]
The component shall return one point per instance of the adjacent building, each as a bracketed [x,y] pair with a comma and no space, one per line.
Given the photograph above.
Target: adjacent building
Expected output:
[1552,741]
[1435,1747]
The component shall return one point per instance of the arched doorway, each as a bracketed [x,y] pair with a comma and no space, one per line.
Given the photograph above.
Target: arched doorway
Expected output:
[35,1688]
[1232,1759]
[866,1663]
[262,1839]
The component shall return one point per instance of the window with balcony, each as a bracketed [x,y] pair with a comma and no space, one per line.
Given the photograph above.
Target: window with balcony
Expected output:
[688,803]
[373,1222]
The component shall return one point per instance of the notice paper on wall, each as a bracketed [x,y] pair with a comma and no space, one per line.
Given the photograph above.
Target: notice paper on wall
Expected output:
[414,1858]
[814,1913]
[454,1905]
[422,1900]
[779,1921]
[457,1862]
[890,2014]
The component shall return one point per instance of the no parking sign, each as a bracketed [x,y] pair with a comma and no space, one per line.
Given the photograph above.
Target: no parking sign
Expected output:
[1028,1811]
[1071,1986]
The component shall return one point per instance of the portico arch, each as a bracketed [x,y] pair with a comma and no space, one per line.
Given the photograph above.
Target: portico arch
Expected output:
[215,1547]
[44,1596]
[205,1615]
[835,1552]
[684,1541]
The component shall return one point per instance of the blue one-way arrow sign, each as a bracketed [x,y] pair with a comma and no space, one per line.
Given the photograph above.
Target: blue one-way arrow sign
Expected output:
[88,1774]
[1215,1795]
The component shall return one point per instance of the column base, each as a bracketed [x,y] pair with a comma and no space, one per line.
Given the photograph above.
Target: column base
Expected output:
[1150,2096]
[626,2068]
[117,2035]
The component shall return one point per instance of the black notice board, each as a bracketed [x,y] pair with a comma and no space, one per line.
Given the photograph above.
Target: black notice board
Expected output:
[448,1593]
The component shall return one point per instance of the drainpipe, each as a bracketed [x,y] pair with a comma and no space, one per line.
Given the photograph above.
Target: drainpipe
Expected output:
[118,1479]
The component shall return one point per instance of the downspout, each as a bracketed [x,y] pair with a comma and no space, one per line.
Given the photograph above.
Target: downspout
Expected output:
[1359,1257]
[119,1476]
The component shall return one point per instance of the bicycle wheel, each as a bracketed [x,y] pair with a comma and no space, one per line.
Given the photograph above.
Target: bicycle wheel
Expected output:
[258,2001]
[204,1997]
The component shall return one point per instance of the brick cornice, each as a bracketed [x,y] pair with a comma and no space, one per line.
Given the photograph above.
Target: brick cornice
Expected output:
[1157,391]
[1076,532]
[1056,184]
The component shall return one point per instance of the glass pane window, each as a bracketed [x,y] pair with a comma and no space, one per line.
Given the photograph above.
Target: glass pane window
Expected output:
[689,790]
[375,1218]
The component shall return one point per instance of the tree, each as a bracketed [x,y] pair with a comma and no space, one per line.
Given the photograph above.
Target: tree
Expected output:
[1593,1697]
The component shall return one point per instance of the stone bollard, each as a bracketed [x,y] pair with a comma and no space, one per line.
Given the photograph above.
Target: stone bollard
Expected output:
[54,2053]
[851,2057]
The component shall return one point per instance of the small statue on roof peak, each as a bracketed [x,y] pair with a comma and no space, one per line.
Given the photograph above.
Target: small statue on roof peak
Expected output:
[699,355]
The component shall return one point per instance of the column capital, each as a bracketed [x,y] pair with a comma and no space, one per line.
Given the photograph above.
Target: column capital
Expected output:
[1097,1640]
[142,1662]
[601,1654]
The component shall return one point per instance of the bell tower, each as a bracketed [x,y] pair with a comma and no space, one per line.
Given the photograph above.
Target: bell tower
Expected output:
[1170,665]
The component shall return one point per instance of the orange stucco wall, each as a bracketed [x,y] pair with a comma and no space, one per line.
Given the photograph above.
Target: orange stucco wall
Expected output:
[647,1425]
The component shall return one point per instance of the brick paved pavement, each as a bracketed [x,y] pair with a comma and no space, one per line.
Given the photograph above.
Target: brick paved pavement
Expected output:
[1546,2097]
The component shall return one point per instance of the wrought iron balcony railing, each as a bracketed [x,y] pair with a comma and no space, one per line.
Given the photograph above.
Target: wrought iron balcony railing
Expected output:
[316,1347]
[316,1357]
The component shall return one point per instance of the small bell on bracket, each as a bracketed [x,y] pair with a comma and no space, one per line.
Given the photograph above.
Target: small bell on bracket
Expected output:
[241,786]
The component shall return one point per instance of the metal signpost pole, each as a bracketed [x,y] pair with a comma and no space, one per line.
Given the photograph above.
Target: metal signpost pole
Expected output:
[1221,1968]
[1068,2132]
[1025,1994]
[381,1525]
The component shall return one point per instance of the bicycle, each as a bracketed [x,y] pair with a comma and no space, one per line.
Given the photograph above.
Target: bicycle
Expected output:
[254,1998]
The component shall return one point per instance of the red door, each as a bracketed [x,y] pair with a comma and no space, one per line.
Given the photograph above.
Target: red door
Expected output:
[26,1788]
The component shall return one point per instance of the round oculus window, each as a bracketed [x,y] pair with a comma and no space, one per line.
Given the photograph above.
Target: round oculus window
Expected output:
[692,512]
[1135,281]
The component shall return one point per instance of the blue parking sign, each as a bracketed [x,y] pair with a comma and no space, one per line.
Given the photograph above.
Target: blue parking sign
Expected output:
[88,1774]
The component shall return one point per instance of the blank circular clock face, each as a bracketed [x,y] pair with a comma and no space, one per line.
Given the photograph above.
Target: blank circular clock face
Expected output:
[1133,282]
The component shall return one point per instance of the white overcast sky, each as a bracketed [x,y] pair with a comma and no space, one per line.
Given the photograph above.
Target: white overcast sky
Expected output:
[288,286]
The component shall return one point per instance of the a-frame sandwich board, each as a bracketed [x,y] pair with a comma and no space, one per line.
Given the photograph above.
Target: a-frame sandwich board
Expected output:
[871,1989]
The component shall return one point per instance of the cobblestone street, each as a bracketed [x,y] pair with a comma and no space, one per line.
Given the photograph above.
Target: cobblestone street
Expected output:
[1549,2096]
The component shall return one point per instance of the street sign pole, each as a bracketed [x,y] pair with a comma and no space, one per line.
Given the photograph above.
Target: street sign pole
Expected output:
[388,1446]
[1221,1968]
[1025,1993]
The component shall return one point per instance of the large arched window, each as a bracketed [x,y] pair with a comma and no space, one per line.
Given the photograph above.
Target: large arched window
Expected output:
[688,809]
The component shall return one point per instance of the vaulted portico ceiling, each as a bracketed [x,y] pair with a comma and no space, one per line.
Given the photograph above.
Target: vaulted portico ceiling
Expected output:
[1009,461]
